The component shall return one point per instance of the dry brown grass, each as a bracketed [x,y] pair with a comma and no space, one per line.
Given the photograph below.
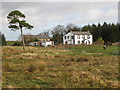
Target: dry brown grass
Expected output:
[7,67]
[36,66]
[58,67]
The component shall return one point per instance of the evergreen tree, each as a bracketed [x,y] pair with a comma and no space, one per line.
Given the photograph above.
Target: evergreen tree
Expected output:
[116,31]
[17,22]
[108,34]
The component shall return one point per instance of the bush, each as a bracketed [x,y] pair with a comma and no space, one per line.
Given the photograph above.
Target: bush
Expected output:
[41,66]
[7,67]
[17,44]
[32,67]
[82,59]
[78,59]
[36,66]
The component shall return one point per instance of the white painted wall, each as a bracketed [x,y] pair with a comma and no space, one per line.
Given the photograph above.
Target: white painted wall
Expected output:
[87,41]
[33,43]
[68,40]
[78,39]
[46,43]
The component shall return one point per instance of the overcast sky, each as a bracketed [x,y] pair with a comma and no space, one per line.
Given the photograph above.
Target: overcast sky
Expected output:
[46,15]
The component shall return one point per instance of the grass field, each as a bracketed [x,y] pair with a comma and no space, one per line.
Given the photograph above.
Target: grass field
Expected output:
[60,67]
[10,43]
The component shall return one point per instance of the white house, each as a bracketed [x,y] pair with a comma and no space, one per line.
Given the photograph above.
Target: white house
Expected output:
[76,38]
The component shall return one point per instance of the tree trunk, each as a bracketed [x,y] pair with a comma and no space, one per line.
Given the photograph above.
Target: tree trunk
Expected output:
[23,42]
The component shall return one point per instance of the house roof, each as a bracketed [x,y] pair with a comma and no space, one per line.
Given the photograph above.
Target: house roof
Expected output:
[42,36]
[81,33]
[38,36]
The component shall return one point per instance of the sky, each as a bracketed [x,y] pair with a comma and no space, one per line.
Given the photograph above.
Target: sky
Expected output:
[47,15]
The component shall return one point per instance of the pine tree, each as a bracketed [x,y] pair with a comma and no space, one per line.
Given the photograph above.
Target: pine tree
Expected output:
[17,22]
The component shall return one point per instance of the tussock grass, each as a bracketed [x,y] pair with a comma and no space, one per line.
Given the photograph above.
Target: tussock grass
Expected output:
[7,67]
[36,66]
[60,67]
[78,58]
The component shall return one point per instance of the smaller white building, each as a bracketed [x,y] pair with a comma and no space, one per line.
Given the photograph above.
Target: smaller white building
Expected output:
[33,43]
[47,43]
[43,43]
[78,38]
[43,40]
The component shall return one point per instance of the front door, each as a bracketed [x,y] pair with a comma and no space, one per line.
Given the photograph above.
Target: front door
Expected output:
[66,42]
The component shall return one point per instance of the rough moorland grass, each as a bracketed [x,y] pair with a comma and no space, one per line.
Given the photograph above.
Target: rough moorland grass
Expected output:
[60,67]
[36,66]
[93,50]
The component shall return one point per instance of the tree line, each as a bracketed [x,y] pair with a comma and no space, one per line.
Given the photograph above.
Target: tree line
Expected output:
[108,32]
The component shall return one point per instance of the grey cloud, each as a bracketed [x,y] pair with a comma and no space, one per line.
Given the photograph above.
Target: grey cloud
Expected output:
[46,15]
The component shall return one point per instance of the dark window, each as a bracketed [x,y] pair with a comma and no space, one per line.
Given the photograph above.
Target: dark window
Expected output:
[35,44]
[87,42]
[65,37]
[78,42]
[72,37]
[66,42]
[83,41]
[83,37]
[68,37]
[88,36]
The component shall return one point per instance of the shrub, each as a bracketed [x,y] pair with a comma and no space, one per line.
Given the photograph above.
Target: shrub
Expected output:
[82,59]
[78,59]
[41,66]
[32,67]
[17,44]
[7,67]
[36,66]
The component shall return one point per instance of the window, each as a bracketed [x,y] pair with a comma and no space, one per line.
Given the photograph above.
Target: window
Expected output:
[66,42]
[68,37]
[65,37]
[88,36]
[87,42]
[48,39]
[35,44]
[83,37]
[72,37]
[78,37]
[78,42]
